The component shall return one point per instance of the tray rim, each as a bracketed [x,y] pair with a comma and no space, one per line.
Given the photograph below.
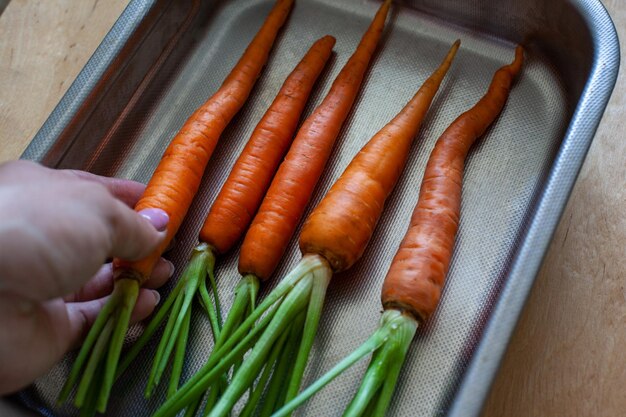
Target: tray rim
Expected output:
[475,384]
[86,81]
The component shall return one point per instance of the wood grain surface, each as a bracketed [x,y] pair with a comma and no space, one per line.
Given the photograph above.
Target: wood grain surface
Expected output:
[43,46]
[568,354]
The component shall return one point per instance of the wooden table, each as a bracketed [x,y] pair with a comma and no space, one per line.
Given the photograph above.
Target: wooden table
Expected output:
[568,354]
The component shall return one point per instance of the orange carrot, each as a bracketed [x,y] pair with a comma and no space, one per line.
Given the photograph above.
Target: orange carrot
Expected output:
[335,235]
[419,268]
[171,188]
[413,284]
[177,177]
[229,217]
[267,239]
[250,177]
[291,189]
[361,191]
[341,225]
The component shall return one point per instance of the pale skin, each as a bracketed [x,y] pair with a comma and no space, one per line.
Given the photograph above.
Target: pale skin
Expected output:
[57,230]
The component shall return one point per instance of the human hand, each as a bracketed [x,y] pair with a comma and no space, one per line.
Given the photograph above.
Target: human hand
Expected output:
[58,228]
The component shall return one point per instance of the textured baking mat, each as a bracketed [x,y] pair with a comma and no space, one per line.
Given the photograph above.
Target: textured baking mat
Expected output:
[505,172]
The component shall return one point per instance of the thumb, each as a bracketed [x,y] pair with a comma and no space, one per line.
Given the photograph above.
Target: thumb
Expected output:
[156,217]
[136,234]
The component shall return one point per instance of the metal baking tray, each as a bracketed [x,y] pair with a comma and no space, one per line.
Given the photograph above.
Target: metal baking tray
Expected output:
[163,58]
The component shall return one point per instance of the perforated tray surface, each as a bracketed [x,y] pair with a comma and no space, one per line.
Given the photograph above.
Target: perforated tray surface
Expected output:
[163,59]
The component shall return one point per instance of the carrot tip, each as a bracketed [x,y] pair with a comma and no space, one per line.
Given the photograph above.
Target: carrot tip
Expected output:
[516,65]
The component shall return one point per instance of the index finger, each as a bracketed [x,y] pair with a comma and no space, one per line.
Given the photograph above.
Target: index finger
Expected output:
[128,191]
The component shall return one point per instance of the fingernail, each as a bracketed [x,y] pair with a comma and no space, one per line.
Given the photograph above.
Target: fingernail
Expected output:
[172,268]
[157,217]
[157,297]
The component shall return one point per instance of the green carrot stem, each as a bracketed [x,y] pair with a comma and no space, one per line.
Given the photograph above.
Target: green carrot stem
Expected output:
[217,389]
[369,346]
[255,396]
[240,339]
[150,329]
[178,320]
[95,358]
[179,355]
[277,387]
[254,290]
[247,287]
[233,334]
[236,313]
[245,296]
[387,390]
[294,345]
[306,265]
[214,391]
[210,270]
[371,383]
[152,326]
[401,340]
[89,406]
[195,272]
[130,291]
[273,300]
[321,279]
[102,348]
[380,379]
[193,278]
[167,335]
[257,391]
[210,309]
[272,368]
[197,384]
[394,335]
[92,337]
[294,302]
[182,399]
[370,408]
[193,408]
[213,395]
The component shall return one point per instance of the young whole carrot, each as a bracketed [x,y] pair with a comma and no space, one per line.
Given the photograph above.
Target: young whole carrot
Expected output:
[293,308]
[415,278]
[291,189]
[289,194]
[171,188]
[247,183]
[231,213]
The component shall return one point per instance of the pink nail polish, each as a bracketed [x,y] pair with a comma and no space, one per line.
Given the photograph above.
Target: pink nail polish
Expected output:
[157,297]
[157,217]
